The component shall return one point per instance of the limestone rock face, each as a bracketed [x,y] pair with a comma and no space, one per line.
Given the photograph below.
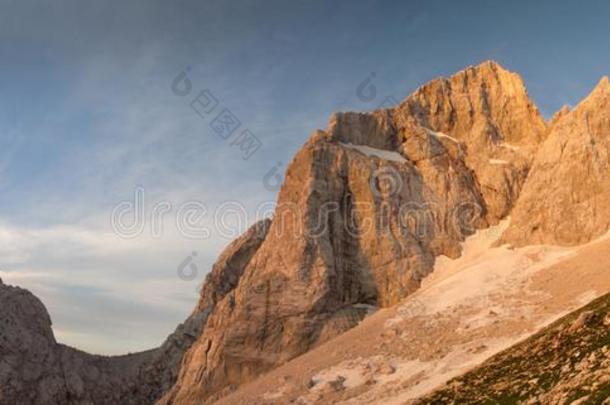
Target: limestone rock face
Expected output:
[366,206]
[487,109]
[566,198]
[558,116]
[230,265]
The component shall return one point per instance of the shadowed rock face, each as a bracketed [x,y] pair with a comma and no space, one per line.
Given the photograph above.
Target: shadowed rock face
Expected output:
[366,206]
[34,369]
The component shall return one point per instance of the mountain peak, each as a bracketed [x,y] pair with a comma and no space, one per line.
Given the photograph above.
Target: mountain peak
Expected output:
[481,104]
[490,63]
[489,74]
[602,88]
[486,67]
[599,93]
[569,167]
[604,84]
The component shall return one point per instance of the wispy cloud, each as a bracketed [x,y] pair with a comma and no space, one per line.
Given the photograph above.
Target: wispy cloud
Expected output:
[91,279]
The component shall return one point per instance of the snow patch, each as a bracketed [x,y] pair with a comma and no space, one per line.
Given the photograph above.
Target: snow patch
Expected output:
[482,270]
[491,282]
[441,135]
[374,152]
[485,284]
[509,146]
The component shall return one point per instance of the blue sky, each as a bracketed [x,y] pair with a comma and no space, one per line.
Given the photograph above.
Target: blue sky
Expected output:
[87,114]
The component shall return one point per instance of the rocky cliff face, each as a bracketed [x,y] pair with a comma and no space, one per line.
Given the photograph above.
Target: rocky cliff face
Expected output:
[488,110]
[35,369]
[566,198]
[366,206]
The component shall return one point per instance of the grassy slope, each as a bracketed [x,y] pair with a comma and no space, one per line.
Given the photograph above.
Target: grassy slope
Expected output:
[567,361]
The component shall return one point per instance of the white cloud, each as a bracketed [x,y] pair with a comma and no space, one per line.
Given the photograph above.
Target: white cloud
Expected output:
[104,293]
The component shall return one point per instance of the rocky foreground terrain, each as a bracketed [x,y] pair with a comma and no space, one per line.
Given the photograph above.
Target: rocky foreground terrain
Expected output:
[373,216]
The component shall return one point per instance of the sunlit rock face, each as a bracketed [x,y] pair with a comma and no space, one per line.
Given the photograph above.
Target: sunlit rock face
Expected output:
[566,198]
[366,206]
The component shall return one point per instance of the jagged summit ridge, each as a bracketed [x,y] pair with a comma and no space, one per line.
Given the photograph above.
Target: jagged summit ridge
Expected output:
[475,102]
[489,68]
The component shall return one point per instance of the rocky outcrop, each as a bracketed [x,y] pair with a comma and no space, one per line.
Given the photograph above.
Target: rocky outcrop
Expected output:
[35,369]
[566,198]
[366,206]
